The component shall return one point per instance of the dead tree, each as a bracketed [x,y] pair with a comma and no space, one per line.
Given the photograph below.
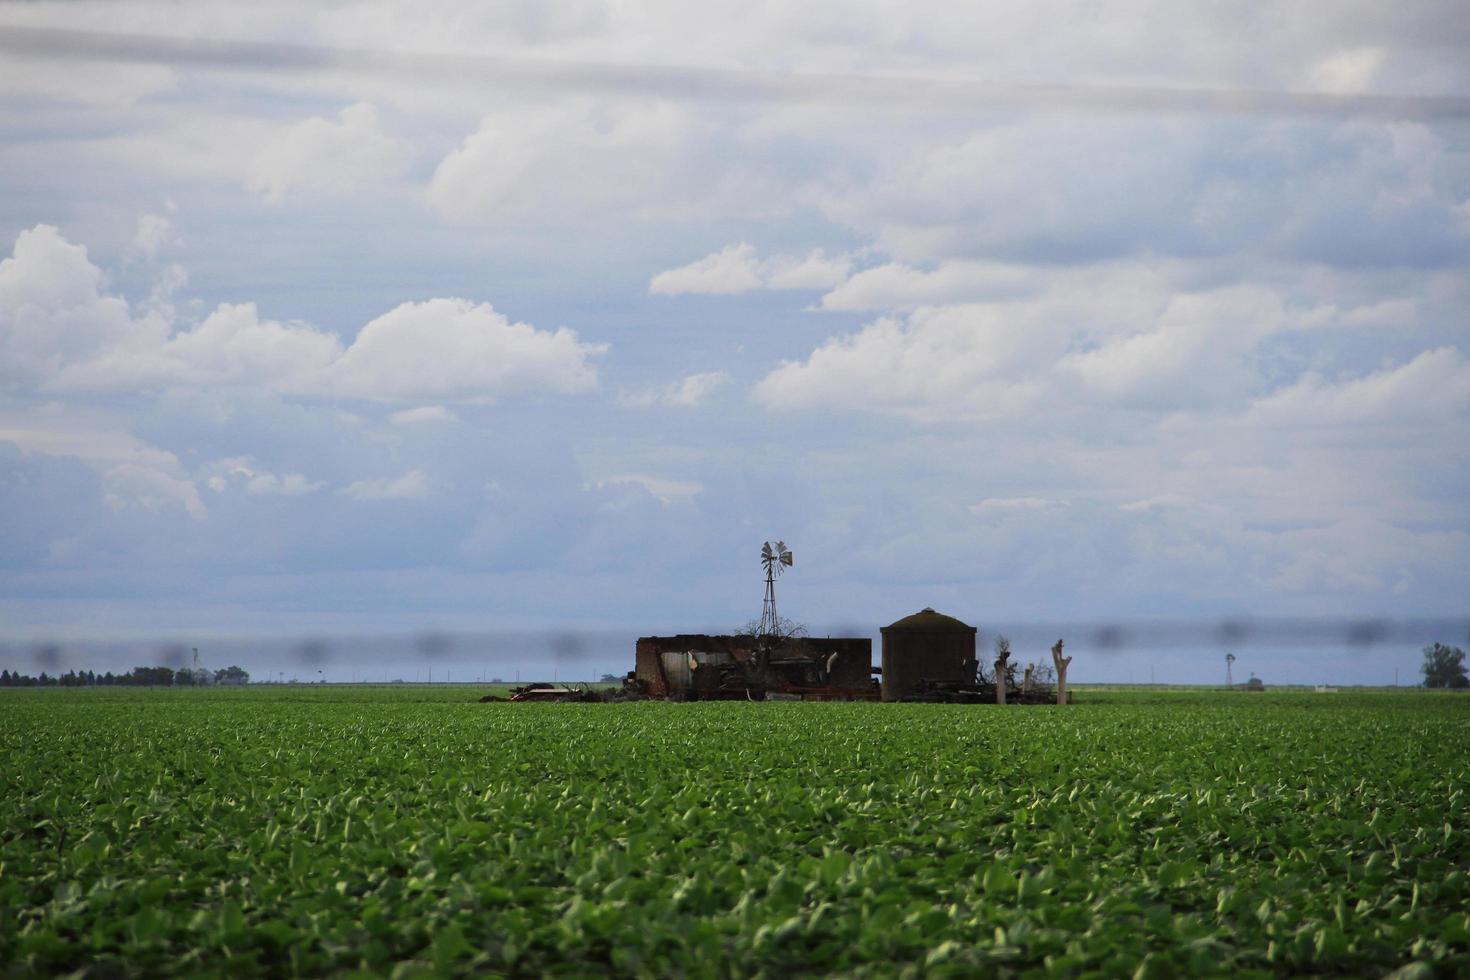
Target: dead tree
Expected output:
[1002,658]
[1026,684]
[1061,662]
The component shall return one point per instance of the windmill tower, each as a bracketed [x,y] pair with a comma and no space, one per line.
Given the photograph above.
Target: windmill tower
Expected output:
[1229,659]
[774,559]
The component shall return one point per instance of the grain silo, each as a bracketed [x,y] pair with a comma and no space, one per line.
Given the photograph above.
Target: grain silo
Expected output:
[927,646]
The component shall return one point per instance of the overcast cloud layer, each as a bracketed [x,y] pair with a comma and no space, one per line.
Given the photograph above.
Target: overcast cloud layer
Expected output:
[389,317]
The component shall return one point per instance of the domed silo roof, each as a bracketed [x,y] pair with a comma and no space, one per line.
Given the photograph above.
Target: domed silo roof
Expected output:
[927,646]
[926,620]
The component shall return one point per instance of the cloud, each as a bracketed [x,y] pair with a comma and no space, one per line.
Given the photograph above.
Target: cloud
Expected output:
[455,350]
[733,269]
[53,314]
[970,361]
[895,286]
[1433,387]
[1028,190]
[1162,501]
[325,156]
[1011,505]
[907,91]
[80,81]
[1195,350]
[1138,361]
[60,332]
[666,491]
[422,414]
[131,485]
[232,346]
[134,473]
[574,159]
[1350,70]
[155,231]
[1122,335]
[687,392]
[739,269]
[241,471]
[413,485]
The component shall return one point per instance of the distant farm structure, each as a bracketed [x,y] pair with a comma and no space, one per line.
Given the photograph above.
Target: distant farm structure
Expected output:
[701,667]
[926,656]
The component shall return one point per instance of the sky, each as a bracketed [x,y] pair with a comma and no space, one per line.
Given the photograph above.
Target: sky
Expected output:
[368,319]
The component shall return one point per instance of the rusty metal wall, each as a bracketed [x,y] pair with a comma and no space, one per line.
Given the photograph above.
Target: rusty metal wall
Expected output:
[853,665]
[910,656]
[662,662]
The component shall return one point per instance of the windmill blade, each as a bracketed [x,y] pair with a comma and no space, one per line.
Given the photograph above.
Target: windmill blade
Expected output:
[786,558]
[766,551]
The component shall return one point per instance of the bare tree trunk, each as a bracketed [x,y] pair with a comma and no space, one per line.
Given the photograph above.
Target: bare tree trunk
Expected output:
[1026,684]
[1002,657]
[1061,664]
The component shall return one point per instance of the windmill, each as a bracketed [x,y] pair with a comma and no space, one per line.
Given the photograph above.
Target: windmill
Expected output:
[774,559]
[1229,659]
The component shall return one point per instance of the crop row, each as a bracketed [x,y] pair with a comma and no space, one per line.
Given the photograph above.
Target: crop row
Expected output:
[254,832]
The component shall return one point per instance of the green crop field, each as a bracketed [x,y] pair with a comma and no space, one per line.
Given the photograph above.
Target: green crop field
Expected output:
[329,830]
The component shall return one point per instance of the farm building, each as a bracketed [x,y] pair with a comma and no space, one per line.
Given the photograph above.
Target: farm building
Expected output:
[927,647]
[698,666]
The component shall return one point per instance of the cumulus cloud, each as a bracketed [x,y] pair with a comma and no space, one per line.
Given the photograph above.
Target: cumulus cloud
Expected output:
[53,313]
[241,471]
[412,485]
[1029,190]
[326,156]
[1434,387]
[739,268]
[131,485]
[687,392]
[422,414]
[1195,350]
[937,363]
[896,286]
[59,331]
[155,232]
[574,158]
[134,473]
[1119,336]
[232,346]
[455,350]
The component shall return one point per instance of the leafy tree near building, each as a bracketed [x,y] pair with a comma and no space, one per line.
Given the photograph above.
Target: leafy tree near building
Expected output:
[1444,666]
[232,675]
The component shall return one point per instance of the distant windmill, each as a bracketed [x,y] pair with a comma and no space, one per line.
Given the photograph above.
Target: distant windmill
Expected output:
[775,559]
[1229,659]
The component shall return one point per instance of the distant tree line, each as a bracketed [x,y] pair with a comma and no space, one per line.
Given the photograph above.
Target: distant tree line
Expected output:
[137,677]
